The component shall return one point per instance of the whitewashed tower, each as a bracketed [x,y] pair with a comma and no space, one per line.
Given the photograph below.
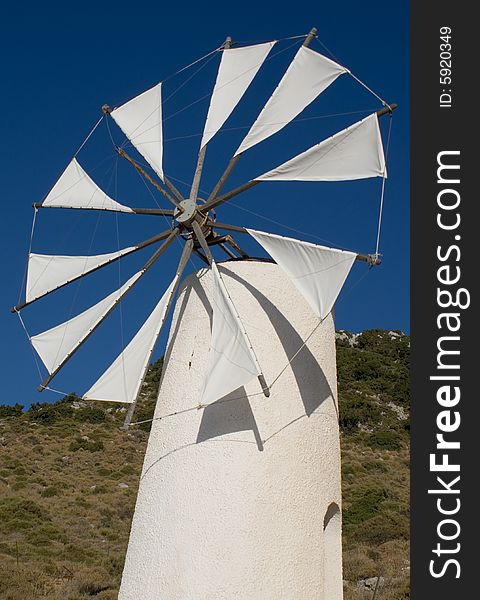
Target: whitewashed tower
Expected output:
[241,499]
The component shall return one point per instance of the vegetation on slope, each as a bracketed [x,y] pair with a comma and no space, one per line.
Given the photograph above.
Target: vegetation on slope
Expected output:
[69,476]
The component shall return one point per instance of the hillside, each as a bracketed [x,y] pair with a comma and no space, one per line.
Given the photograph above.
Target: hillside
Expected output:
[69,475]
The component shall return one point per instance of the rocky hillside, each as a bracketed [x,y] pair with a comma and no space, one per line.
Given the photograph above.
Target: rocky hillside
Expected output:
[69,475]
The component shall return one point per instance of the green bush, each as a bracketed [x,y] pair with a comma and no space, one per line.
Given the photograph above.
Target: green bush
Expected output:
[18,514]
[11,411]
[364,506]
[90,414]
[386,439]
[357,410]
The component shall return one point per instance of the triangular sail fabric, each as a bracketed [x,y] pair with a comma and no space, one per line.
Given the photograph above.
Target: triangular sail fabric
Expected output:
[231,362]
[317,272]
[237,70]
[140,120]
[354,153]
[75,189]
[308,75]
[53,346]
[48,272]
[122,380]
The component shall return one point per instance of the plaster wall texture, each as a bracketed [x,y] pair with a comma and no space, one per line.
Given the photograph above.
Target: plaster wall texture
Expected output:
[233,497]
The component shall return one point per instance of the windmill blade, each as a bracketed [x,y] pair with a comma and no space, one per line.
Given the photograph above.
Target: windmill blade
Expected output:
[232,362]
[140,119]
[89,318]
[316,271]
[122,381]
[47,273]
[57,344]
[237,70]
[353,153]
[233,161]
[75,189]
[308,75]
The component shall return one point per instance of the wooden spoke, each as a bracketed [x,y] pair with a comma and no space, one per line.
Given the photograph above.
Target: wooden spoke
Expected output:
[144,174]
[140,246]
[202,241]
[187,250]
[138,211]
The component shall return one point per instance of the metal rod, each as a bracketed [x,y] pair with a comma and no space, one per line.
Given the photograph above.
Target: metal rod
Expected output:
[142,172]
[233,243]
[221,199]
[145,268]
[215,224]
[221,240]
[233,161]
[228,251]
[215,241]
[140,246]
[139,211]
[187,250]
[202,241]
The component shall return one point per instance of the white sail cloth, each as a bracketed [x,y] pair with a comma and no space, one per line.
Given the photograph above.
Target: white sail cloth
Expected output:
[48,272]
[122,380]
[308,75]
[316,271]
[354,153]
[75,189]
[237,70]
[56,344]
[231,361]
[140,119]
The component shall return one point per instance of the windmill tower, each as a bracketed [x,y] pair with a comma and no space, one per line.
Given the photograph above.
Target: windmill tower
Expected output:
[240,491]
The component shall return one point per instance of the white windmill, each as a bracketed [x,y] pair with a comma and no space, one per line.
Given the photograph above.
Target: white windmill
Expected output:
[223,520]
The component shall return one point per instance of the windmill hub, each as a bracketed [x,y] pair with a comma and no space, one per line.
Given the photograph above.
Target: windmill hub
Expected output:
[189,208]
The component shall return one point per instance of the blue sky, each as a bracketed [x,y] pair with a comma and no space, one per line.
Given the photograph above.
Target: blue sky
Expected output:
[61,65]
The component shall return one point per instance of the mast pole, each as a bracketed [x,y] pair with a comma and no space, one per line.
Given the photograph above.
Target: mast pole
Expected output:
[145,268]
[233,161]
[203,149]
[187,250]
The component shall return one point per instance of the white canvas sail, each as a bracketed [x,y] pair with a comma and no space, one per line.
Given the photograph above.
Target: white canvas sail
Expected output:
[308,75]
[237,70]
[317,272]
[48,272]
[354,153]
[56,344]
[75,189]
[140,119]
[231,362]
[122,380]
